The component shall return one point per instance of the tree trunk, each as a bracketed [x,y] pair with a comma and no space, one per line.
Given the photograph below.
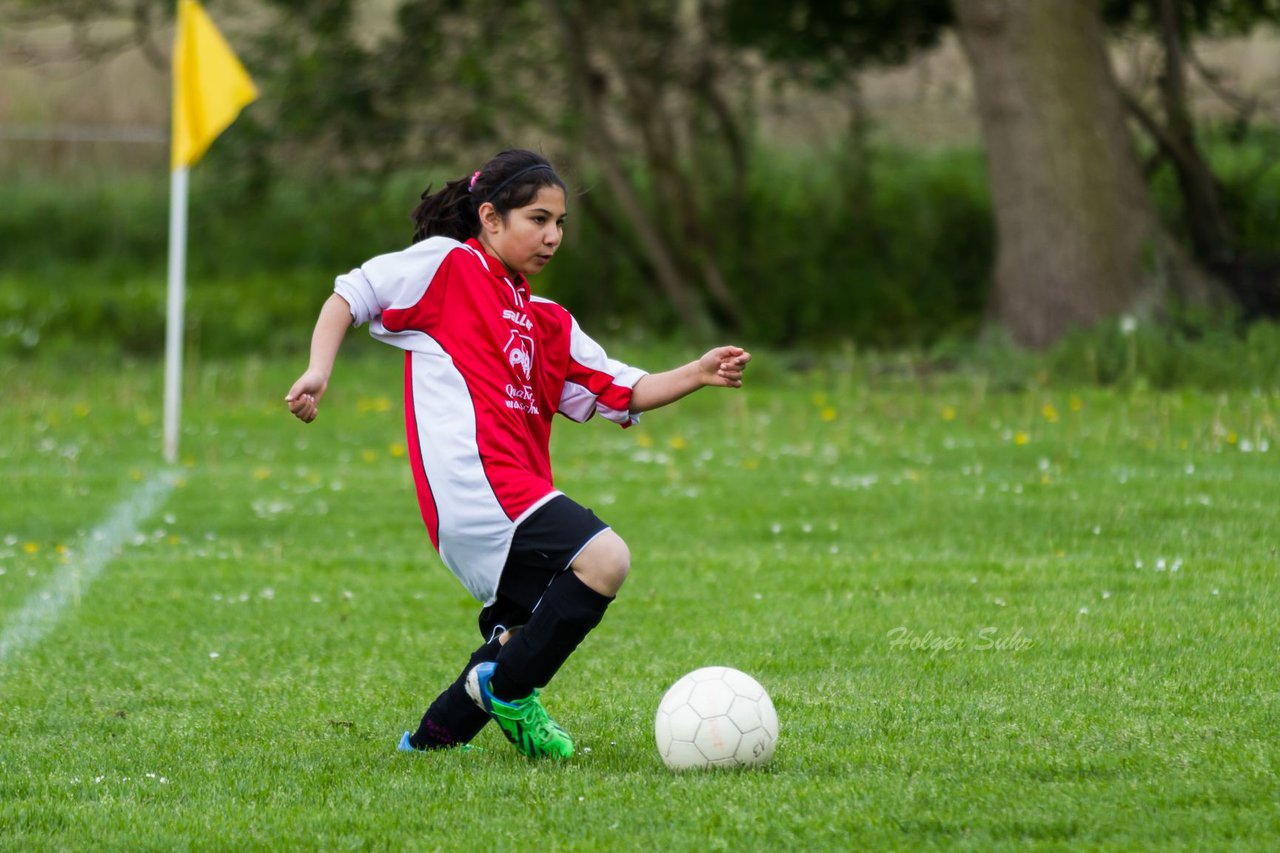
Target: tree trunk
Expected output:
[1211,235]
[1079,237]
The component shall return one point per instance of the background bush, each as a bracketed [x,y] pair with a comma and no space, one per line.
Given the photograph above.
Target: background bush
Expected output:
[812,258]
[893,251]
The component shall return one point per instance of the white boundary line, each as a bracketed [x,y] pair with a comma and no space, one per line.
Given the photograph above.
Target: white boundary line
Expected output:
[40,612]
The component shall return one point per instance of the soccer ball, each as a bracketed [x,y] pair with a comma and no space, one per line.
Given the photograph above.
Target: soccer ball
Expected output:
[715,717]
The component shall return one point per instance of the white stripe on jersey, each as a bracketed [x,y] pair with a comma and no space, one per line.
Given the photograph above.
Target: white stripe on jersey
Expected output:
[576,400]
[394,280]
[474,531]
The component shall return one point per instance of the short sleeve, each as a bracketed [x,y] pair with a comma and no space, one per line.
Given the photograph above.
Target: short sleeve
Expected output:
[394,280]
[596,383]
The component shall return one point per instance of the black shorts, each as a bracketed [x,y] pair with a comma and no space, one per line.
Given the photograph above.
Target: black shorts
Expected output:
[544,545]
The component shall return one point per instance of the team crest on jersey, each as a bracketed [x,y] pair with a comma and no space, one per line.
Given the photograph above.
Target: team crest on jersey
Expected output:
[519,350]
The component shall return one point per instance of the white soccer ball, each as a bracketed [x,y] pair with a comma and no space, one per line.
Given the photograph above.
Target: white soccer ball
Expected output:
[715,717]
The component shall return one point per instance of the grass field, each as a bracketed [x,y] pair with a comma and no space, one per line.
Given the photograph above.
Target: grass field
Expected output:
[1043,618]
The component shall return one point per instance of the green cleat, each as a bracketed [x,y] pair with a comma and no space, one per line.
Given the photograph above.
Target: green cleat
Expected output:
[524,721]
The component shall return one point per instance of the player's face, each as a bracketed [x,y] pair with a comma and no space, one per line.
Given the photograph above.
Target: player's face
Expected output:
[530,235]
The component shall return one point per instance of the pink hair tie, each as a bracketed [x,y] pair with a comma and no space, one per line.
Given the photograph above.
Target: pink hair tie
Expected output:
[474,178]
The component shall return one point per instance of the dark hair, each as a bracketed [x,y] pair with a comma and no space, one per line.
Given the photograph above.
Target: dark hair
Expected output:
[509,180]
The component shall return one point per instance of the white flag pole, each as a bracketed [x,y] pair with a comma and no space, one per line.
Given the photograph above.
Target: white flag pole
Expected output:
[174,314]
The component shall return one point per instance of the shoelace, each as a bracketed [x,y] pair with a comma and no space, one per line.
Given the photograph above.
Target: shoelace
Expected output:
[535,717]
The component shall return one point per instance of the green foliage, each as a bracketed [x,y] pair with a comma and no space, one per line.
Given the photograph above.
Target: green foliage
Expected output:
[84,266]
[1247,166]
[1211,17]
[809,256]
[837,36]
[894,255]
[1189,353]
[98,312]
[816,255]
[1185,354]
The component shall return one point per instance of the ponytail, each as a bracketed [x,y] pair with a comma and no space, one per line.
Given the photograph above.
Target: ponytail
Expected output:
[448,213]
[508,181]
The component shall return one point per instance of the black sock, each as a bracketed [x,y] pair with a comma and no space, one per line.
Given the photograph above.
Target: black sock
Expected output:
[453,718]
[568,611]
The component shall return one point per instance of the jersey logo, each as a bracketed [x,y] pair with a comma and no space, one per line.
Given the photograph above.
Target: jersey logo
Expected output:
[519,350]
[519,318]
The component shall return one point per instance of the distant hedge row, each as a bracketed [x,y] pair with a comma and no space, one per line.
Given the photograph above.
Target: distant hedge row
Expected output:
[905,263]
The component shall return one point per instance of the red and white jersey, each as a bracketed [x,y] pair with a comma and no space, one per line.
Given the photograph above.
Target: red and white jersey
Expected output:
[487,365]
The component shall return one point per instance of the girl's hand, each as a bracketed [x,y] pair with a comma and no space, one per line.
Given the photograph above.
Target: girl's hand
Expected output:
[304,397]
[723,366]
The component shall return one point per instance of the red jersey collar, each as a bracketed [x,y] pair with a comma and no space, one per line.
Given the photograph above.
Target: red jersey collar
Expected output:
[495,266]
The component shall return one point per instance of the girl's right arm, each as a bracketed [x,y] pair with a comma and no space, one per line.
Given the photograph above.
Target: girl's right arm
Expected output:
[331,327]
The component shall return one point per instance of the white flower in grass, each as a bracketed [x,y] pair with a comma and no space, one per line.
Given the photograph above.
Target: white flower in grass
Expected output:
[1084,611]
[213,655]
[1106,594]
[1128,324]
[775,528]
[1215,591]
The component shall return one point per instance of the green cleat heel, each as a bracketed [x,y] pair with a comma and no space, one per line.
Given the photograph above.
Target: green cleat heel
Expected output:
[524,722]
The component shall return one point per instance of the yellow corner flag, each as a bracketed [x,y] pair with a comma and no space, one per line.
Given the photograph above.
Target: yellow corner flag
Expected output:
[210,86]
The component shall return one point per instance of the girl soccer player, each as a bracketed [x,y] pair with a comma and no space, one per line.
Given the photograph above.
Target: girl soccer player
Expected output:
[487,364]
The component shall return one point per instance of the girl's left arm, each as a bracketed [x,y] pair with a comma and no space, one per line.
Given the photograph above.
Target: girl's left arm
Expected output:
[721,367]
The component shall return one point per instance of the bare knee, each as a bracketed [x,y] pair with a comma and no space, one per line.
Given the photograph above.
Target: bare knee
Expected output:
[604,564]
